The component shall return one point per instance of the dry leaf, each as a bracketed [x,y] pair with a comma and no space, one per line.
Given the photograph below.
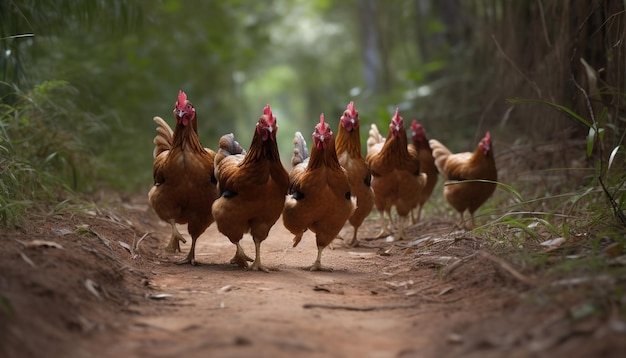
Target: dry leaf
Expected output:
[361,255]
[399,284]
[417,242]
[126,246]
[553,243]
[226,288]
[158,296]
[61,231]
[39,243]
[93,288]
[445,290]
[614,250]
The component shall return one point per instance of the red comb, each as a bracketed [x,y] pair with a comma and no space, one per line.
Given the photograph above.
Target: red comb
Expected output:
[267,111]
[351,109]
[414,125]
[396,117]
[488,136]
[182,98]
[322,128]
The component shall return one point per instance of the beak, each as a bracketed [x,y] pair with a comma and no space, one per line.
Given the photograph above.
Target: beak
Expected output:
[180,113]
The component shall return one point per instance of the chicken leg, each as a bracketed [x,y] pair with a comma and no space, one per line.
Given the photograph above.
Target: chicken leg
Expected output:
[418,209]
[384,228]
[353,241]
[467,225]
[256,265]
[173,245]
[400,233]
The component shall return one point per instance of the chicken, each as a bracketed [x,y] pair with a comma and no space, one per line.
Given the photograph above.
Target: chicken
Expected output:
[252,188]
[319,191]
[479,165]
[427,165]
[184,185]
[348,147]
[396,177]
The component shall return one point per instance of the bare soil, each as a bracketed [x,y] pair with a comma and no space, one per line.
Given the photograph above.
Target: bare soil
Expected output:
[69,288]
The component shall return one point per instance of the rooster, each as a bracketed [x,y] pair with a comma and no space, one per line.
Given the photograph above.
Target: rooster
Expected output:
[319,191]
[459,167]
[396,178]
[348,147]
[184,185]
[427,165]
[252,188]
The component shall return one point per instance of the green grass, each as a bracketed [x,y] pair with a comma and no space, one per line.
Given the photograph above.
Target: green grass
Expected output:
[43,155]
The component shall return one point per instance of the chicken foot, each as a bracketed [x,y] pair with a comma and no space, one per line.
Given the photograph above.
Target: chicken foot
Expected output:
[384,229]
[256,265]
[173,245]
[191,256]
[467,225]
[240,257]
[317,265]
[400,233]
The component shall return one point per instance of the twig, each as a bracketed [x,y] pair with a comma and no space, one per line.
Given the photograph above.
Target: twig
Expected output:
[508,268]
[379,308]
[533,84]
[616,209]
[102,238]
[449,269]
[543,23]
[573,77]
[136,245]
[27,259]
[359,309]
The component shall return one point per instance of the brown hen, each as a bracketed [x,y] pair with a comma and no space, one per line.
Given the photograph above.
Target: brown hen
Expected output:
[184,185]
[396,177]
[319,190]
[348,147]
[252,188]
[459,167]
[427,165]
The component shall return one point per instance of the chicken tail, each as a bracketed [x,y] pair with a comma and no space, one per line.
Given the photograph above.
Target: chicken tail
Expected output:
[374,138]
[163,140]
[228,146]
[300,151]
[440,153]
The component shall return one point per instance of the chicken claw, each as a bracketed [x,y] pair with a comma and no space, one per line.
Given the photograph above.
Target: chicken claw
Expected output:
[240,257]
[189,259]
[317,265]
[173,245]
[257,266]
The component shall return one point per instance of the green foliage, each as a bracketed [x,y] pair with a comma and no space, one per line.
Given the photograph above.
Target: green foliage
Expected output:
[44,153]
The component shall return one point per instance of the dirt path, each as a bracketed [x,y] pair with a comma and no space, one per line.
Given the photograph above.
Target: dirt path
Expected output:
[220,309]
[70,288]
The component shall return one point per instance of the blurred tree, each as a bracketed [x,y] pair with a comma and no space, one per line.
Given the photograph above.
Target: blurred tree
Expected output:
[448,63]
